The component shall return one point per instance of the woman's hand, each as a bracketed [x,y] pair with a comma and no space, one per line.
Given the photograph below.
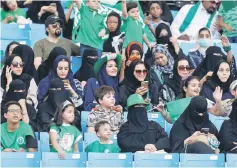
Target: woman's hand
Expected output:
[225,42]
[8,75]
[150,147]
[160,107]
[83,84]
[217,94]
[68,87]
[141,91]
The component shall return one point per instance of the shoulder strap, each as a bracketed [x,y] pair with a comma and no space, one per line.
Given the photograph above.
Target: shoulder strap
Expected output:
[159,76]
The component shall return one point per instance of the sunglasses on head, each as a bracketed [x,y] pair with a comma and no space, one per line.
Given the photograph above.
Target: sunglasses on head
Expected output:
[183,68]
[141,71]
[15,64]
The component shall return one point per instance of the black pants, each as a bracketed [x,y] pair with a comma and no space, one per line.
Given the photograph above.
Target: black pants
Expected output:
[199,148]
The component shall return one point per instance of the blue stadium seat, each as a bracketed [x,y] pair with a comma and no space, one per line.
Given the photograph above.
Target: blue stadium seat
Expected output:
[37,33]
[84,115]
[51,159]
[4,43]
[202,160]
[15,32]
[110,159]
[154,116]
[174,13]
[91,137]
[217,120]
[187,46]
[156,160]
[234,50]
[168,127]
[20,159]
[44,142]
[231,160]
[76,63]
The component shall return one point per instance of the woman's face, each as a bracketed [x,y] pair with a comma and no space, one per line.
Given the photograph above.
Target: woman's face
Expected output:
[193,88]
[223,72]
[11,48]
[163,32]
[12,5]
[204,35]
[62,69]
[135,53]
[161,59]
[184,69]
[112,23]
[17,65]
[111,68]
[140,72]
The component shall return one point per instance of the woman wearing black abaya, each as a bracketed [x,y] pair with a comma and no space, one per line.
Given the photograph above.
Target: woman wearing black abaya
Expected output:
[17,92]
[56,95]
[228,132]
[89,58]
[186,136]
[47,65]
[138,133]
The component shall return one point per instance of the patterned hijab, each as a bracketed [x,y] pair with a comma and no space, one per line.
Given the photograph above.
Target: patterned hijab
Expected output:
[167,69]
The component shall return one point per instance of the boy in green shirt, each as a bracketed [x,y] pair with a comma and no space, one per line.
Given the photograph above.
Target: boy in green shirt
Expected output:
[16,136]
[104,145]
[92,27]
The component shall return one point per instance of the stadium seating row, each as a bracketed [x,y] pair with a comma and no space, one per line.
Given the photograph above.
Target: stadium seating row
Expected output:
[47,159]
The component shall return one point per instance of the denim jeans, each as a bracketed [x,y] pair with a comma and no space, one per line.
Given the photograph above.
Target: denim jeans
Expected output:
[83,47]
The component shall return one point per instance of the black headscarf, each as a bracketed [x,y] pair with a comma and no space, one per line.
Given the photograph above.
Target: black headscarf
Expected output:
[27,55]
[165,39]
[213,56]
[233,114]
[130,80]
[87,68]
[133,46]
[137,119]
[47,65]
[214,81]
[190,117]
[24,77]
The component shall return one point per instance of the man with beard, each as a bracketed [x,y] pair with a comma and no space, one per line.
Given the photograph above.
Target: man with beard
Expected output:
[191,18]
[42,48]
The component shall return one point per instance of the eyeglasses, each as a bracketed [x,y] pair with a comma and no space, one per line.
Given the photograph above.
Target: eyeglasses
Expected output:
[141,71]
[55,25]
[16,64]
[183,68]
[14,111]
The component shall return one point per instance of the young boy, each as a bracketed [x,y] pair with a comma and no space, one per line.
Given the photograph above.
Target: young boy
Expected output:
[105,110]
[92,27]
[133,25]
[16,136]
[228,19]
[154,18]
[104,145]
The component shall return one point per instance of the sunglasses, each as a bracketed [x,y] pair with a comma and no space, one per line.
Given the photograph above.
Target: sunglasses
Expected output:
[56,25]
[141,71]
[16,64]
[183,68]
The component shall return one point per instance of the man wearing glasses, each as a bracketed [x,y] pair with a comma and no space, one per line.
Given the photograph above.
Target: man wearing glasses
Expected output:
[42,48]
[16,136]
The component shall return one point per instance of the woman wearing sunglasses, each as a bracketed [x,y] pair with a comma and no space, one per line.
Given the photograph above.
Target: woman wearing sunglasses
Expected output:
[13,69]
[135,74]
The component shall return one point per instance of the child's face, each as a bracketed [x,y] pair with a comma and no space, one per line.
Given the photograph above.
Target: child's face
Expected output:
[155,10]
[14,114]
[134,13]
[234,93]
[68,115]
[104,132]
[108,100]
[93,4]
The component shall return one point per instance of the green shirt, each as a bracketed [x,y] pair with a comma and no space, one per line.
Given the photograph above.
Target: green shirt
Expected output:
[67,136]
[91,23]
[230,18]
[17,139]
[102,148]
[19,12]
[134,30]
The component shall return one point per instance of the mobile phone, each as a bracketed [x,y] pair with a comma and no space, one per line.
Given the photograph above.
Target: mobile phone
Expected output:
[66,81]
[205,130]
[53,4]
[144,84]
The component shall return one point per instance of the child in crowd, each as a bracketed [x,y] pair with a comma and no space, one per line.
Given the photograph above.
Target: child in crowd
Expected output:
[133,25]
[154,17]
[105,110]
[105,144]
[92,27]
[228,19]
[16,136]
[63,135]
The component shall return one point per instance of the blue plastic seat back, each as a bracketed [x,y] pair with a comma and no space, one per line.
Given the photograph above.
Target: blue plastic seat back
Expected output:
[76,63]
[15,32]
[51,159]
[20,159]
[168,127]
[37,33]
[217,120]
[156,160]
[174,13]
[231,160]
[44,142]
[234,49]
[84,116]
[110,159]
[202,160]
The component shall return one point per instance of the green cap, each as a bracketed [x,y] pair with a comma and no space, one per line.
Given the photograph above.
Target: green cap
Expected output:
[105,58]
[135,99]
